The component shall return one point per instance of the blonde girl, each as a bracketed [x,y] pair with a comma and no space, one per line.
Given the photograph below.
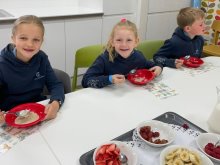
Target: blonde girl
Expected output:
[118,59]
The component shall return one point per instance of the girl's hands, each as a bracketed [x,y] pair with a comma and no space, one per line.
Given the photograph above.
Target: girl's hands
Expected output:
[51,110]
[156,69]
[118,79]
[2,117]
[178,63]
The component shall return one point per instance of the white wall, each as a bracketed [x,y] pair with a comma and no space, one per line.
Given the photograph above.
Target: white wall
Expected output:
[97,4]
[4,4]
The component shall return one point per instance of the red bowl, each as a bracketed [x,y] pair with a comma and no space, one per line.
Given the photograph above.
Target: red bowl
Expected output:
[192,62]
[141,77]
[34,107]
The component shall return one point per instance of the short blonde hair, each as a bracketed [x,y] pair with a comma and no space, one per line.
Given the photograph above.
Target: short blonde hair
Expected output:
[122,24]
[187,16]
[27,19]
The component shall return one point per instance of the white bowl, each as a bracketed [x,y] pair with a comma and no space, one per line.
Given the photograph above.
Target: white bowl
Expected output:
[206,138]
[166,132]
[204,159]
[125,149]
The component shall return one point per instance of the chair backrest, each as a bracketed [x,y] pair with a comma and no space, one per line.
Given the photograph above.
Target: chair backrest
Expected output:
[216,28]
[65,79]
[62,77]
[150,47]
[84,58]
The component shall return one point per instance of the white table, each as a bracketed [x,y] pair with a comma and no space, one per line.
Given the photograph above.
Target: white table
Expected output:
[90,117]
[33,150]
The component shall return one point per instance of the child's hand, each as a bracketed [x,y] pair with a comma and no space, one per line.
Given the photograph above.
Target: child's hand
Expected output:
[118,79]
[156,69]
[51,110]
[178,63]
[2,117]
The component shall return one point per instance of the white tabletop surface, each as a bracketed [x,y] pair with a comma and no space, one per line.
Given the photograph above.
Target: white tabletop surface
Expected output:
[90,117]
[31,151]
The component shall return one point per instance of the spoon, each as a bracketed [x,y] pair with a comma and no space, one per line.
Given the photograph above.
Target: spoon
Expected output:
[187,57]
[133,71]
[216,144]
[22,113]
[123,158]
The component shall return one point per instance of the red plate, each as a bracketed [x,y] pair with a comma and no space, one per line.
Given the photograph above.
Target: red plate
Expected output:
[34,107]
[192,62]
[141,77]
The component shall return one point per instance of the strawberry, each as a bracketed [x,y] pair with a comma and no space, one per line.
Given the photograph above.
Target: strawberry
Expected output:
[110,163]
[218,156]
[117,151]
[100,163]
[185,126]
[111,148]
[102,149]
[156,134]
[116,162]
[216,150]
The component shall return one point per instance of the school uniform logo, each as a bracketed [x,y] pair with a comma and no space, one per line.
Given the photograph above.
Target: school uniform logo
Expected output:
[38,76]
[197,51]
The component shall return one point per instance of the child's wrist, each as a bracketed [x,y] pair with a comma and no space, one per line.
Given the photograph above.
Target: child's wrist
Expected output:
[110,78]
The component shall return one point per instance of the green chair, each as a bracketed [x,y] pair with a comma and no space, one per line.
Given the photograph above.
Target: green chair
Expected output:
[84,58]
[149,47]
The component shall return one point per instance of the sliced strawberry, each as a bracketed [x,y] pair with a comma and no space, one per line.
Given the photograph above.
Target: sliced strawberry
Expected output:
[110,163]
[102,149]
[99,157]
[111,148]
[116,162]
[117,151]
[100,163]
[106,156]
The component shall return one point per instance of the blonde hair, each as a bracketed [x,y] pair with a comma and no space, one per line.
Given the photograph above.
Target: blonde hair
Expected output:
[187,16]
[122,24]
[27,19]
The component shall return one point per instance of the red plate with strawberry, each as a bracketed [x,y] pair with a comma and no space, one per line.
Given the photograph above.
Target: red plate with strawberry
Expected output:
[108,153]
[206,143]
[192,62]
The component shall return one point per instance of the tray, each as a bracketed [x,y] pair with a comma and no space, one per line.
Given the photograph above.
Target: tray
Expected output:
[168,117]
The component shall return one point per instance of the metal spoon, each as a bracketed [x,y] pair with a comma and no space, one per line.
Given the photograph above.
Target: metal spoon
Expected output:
[123,158]
[22,113]
[133,71]
[216,144]
[187,57]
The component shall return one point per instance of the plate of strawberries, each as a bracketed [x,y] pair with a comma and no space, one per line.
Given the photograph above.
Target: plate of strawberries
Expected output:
[108,154]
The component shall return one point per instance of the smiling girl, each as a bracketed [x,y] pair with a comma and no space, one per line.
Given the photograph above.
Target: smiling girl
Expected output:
[25,69]
[119,58]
